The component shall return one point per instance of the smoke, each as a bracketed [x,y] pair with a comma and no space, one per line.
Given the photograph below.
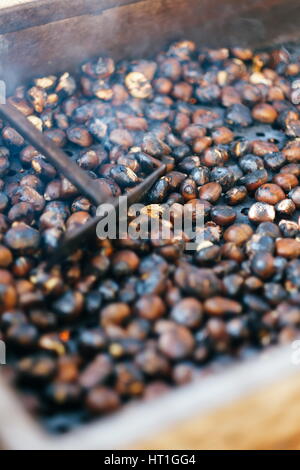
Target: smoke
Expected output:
[244,31]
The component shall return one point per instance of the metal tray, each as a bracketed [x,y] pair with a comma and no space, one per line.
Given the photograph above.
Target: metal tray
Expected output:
[253,404]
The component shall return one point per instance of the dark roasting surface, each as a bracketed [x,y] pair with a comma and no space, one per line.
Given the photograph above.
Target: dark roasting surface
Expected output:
[124,320]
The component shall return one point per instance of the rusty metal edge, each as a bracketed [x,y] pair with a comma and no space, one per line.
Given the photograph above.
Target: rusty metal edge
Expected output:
[32,13]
